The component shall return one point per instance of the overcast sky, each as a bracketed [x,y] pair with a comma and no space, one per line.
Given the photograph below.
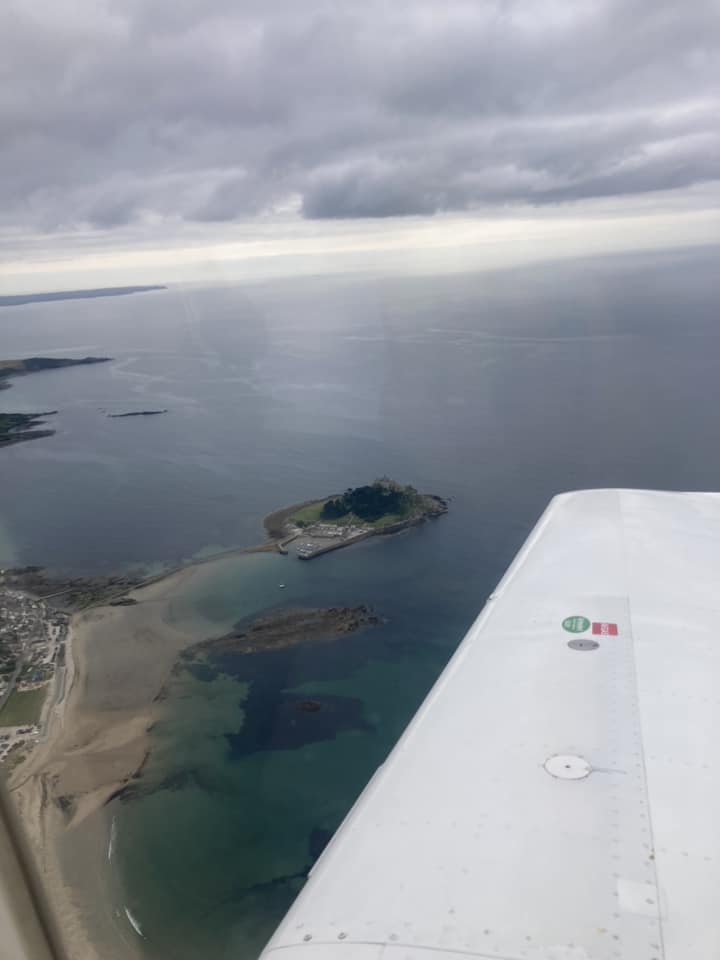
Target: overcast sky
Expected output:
[218,121]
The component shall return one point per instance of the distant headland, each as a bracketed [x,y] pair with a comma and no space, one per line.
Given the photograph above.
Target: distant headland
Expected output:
[19,299]
[16,368]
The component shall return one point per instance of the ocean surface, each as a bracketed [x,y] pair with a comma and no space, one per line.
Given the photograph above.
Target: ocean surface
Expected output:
[495,390]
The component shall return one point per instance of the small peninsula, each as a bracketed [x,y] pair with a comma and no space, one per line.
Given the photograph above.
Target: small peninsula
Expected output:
[16,368]
[20,299]
[318,526]
[17,427]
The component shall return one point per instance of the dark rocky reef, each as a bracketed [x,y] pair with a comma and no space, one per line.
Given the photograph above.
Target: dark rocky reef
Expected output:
[285,628]
[136,413]
[70,593]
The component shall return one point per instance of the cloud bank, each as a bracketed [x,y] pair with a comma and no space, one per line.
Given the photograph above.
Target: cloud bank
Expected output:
[115,112]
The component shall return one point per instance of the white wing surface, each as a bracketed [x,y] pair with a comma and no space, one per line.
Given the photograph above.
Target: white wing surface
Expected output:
[557,795]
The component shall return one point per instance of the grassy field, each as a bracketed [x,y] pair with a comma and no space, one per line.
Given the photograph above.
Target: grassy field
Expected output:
[309,514]
[386,519]
[23,707]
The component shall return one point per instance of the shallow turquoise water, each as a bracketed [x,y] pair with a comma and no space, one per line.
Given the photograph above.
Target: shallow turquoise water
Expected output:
[242,789]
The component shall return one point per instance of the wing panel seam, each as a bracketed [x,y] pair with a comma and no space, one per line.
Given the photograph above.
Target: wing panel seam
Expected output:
[651,827]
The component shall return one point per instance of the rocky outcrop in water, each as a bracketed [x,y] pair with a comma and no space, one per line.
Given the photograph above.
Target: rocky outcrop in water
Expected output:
[285,628]
[136,413]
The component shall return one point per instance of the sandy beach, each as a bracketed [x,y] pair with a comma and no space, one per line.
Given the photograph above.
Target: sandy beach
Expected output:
[119,657]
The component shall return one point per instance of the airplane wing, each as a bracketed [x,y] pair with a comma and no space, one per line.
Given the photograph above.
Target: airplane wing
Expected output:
[557,796]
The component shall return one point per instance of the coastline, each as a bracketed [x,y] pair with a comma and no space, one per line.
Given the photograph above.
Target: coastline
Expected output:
[118,659]
[97,738]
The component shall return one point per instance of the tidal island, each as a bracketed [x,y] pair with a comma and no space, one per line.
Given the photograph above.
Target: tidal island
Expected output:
[318,526]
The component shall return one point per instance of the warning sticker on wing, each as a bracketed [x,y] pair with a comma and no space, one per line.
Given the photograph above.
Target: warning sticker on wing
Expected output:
[603,629]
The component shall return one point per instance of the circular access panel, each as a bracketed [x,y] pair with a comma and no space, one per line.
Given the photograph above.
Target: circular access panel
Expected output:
[583,644]
[566,766]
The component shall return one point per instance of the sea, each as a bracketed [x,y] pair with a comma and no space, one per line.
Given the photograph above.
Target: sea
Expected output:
[496,390]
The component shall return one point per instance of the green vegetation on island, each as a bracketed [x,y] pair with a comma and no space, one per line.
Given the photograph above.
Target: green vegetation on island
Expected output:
[382,507]
[375,505]
[316,527]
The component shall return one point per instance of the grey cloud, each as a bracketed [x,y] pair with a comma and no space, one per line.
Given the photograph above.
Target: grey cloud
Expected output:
[121,110]
[237,196]
[369,193]
[113,210]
